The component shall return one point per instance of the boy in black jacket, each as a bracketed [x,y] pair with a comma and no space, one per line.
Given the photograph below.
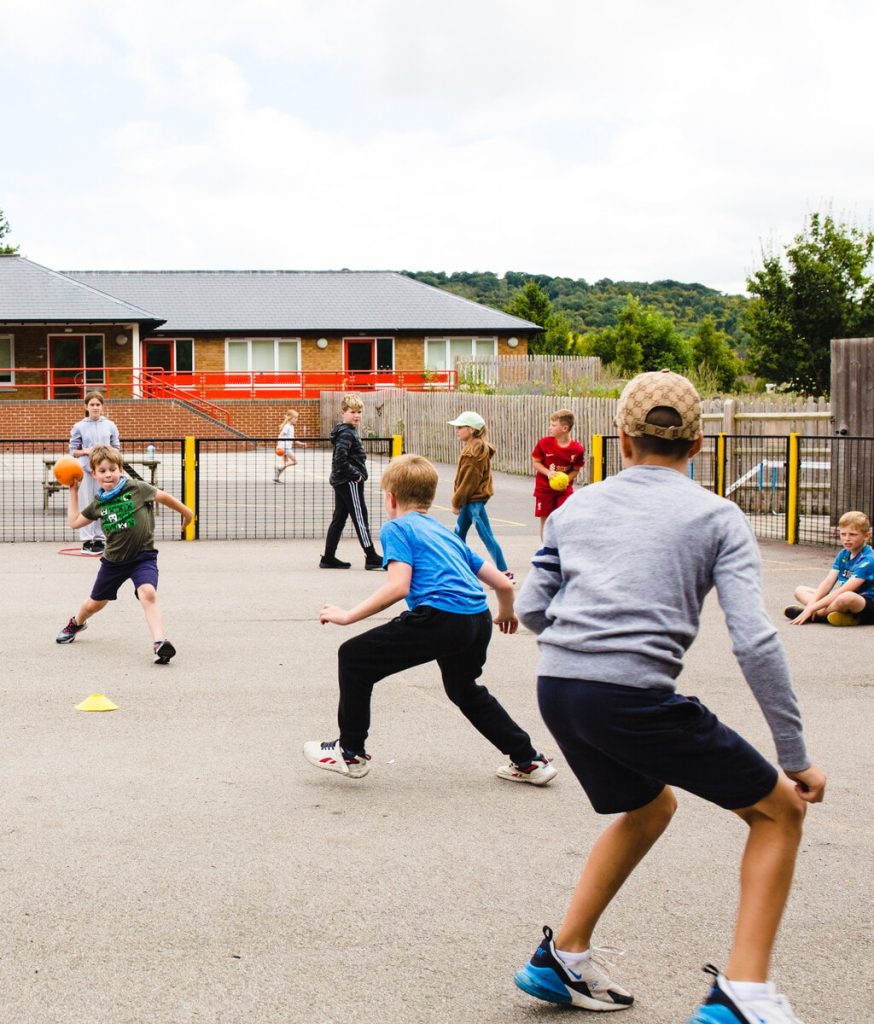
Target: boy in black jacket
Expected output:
[348,473]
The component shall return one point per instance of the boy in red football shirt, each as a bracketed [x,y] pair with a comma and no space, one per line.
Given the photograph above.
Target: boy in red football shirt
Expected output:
[555,453]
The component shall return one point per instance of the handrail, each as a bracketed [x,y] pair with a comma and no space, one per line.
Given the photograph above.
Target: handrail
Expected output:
[211,386]
[147,380]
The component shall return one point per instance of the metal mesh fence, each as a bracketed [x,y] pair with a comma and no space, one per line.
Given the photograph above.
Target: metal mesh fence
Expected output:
[236,496]
[756,473]
[836,475]
[238,499]
[33,506]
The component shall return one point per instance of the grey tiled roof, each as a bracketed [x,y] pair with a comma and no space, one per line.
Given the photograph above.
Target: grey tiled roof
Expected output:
[297,301]
[30,293]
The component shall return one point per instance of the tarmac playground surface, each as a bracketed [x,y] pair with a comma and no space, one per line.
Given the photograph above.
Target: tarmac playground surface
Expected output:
[178,861]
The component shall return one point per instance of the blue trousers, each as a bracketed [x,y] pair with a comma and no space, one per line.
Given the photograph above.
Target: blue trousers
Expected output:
[474,513]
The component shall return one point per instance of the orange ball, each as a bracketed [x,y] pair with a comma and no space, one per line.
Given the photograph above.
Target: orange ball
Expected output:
[280,451]
[67,469]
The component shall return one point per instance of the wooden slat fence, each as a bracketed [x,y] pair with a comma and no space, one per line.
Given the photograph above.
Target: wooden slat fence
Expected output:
[515,422]
[540,372]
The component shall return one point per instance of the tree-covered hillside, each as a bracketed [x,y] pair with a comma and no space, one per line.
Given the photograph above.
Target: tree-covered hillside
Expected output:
[591,307]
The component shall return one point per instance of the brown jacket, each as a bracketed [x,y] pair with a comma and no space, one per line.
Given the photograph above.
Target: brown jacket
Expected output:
[473,477]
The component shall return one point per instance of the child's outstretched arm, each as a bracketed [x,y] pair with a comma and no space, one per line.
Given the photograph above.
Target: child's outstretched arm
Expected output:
[395,588]
[75,519]
[505,620]
[167,499]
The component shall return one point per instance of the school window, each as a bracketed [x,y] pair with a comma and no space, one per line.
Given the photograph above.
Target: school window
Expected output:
[271,355]
[7,360]
[174,355]
[442,353]
[94,374]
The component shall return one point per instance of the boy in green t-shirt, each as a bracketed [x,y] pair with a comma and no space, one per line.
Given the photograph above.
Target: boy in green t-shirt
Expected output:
[125,509]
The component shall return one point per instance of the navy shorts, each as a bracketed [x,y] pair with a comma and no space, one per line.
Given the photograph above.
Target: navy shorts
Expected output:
[110,576]
[866,616]
[626,744]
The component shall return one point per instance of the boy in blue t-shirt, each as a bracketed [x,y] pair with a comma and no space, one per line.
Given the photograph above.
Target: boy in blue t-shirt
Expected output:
[448,621]
[852,603]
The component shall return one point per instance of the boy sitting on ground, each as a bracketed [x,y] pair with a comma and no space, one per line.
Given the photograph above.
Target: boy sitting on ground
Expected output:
[852,602]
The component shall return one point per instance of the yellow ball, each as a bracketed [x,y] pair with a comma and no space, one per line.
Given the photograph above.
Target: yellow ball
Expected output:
[559,481]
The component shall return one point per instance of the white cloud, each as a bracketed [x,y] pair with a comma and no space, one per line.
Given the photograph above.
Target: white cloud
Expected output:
[629,141]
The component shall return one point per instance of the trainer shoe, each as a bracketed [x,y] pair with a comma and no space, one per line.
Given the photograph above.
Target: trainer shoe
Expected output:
[333,563]
[88,546]
[538,772]
[164,651]
[585,985]
[333,758]
[842,619]
[374,564]
[68,633]
[793,611]
[98,546]
[723,1006]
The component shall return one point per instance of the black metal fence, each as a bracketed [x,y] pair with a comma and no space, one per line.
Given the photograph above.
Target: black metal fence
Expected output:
[787,492]
[229,482]
[790,487]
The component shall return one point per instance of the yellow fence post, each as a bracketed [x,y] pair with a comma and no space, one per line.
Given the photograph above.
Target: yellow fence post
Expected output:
[397,445]
[597,458]
[720,465]
[793,482]
[189,485]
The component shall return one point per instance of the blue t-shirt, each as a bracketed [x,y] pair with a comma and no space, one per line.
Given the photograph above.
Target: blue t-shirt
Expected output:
[444,567]
[862,567]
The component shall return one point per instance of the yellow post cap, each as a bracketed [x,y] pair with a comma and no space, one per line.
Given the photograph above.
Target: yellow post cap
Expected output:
[97,702]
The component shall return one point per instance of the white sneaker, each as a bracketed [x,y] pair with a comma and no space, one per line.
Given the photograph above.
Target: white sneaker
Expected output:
[332,758]
[769,1008]
[538,772]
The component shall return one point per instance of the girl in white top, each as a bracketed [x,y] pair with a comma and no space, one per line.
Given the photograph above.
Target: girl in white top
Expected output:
[94,429]
[286,444]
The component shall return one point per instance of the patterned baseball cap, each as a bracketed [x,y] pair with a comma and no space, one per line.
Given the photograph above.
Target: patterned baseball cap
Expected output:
[646,392]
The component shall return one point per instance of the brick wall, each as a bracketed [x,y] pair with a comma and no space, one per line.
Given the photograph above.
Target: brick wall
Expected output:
[154,418]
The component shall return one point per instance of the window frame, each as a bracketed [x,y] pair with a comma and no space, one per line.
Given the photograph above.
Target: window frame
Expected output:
[7,381]
[447,339]
[277,342]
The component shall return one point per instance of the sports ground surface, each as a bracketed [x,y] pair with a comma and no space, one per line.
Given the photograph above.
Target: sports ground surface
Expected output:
[178,861]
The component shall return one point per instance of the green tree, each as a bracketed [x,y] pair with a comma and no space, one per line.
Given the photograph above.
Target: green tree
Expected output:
[821,289]
[532,303]
[712,356]
[641,340]
[6,250]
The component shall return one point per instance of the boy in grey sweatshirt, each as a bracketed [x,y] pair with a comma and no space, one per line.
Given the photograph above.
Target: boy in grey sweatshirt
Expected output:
[614,615]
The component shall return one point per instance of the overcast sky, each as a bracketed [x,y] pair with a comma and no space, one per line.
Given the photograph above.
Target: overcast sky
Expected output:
[626,139]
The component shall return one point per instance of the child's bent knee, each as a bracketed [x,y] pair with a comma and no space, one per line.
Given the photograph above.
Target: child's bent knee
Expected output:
[658,812]
[782,805]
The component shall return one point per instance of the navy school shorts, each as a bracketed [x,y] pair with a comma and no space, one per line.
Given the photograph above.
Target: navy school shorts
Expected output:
[626,744]
[139,570]
[866,617]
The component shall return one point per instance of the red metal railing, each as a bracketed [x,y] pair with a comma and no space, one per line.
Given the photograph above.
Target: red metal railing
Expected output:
[209,386]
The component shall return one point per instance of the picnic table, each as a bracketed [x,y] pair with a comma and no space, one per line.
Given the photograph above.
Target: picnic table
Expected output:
[51,486]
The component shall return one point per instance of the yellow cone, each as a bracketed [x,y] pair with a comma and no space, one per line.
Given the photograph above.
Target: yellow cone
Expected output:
[97,702]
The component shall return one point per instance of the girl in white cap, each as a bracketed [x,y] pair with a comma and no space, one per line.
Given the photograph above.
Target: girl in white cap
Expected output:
[473,485]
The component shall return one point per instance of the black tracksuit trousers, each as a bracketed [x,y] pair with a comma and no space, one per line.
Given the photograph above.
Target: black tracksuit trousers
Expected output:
[348,501]
[458,643]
